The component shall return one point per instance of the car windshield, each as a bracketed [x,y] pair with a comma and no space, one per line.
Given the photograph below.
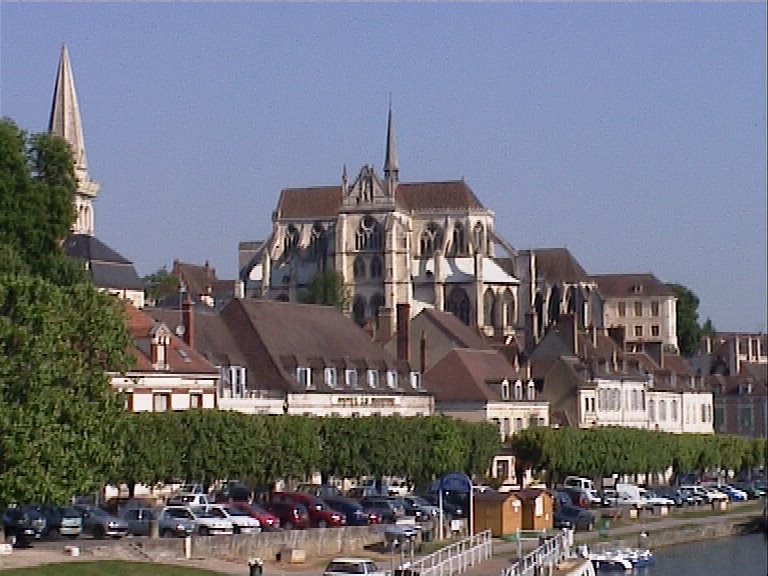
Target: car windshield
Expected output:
[418,500]
[234,511]
[178,513]
[350,567]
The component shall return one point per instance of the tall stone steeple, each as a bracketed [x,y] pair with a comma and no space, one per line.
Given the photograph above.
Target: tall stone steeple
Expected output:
[391,167]
[65,122]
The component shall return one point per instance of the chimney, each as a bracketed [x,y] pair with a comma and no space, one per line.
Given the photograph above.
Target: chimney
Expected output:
[403,332]
[423,352]
[188,321]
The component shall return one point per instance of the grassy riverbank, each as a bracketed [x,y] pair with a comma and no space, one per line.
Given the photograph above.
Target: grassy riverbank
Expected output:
[112,568]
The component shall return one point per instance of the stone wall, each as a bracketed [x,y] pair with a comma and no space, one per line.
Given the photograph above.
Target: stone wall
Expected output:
[266,545]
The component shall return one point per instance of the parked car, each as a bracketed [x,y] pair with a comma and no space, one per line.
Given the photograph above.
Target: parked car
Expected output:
[319,490]
[61,521]
[100,523]
[654,499]
[583,497]
[292,515]
[753,490]
[172,524]
[352,511]
[269,522]
[715,494]
[242,522]
[566,515]
[357,566]
[733,493]
[320,514]
[208,522]
[693,495]
[22,525]
[189,499]
[428,510]
[384,508]
[673,494]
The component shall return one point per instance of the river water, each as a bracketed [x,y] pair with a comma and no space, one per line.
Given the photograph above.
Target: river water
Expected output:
[737,556]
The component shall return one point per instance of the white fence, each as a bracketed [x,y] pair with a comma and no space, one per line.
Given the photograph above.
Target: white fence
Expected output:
[542,559]
[456,558]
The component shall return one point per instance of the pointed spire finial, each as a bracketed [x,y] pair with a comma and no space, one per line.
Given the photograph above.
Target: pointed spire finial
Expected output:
[65,122]
[391,166]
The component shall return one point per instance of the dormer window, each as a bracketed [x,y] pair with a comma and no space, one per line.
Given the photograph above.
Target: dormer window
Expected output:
[373,378]
[518,390]
[392,379]
[531,390]
[329,377]
[505,389]
[304,377]
[350,378]
[416,380]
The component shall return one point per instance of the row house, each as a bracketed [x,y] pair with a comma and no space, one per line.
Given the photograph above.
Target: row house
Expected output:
[741,401]
[590,379]
[167,374]
[287,358]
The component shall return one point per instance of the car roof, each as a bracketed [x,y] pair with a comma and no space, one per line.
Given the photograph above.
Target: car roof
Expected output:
[351,560]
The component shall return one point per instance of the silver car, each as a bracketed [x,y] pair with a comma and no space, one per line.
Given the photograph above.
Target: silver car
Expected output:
[101,524]
[170,522]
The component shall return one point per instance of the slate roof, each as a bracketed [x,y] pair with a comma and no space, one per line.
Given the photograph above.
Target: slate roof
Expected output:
[323,202]
[558,265]
[626,285]
[466,375]
[180,358]
[107,268]
[455,329]
[200,280]
[278,337]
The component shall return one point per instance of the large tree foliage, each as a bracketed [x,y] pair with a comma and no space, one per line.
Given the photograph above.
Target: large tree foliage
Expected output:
[160,285]
[689,331]
[327,289]
[61,425]
[58,413]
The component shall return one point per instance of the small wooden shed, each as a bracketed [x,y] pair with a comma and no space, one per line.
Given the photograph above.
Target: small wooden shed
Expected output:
[537,509]
[501,513]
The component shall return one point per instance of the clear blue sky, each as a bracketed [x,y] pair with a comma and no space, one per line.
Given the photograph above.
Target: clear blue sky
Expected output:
[632,134]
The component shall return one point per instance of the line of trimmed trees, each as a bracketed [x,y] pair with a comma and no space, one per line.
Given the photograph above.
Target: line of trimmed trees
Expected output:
[600,452]
[210,445]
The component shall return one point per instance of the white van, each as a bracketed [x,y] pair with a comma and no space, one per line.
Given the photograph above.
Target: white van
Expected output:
[578,482]
[631,495]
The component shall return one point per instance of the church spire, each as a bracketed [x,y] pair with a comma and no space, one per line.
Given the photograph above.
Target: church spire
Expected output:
[391,167]
[65,122]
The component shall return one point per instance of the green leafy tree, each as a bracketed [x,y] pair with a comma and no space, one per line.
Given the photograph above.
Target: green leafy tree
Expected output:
[160,285]
[689,332]
[327,289]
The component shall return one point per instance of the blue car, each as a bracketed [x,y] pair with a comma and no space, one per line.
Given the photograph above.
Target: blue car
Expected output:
[734,494]
[351,510]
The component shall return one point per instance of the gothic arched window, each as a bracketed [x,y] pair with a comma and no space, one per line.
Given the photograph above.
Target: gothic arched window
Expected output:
[553,305]
[291,240]
[489,308]
[431,239]
[358,310]
[369,236]
[459,246]
[478,238]
[377,301]
[376,269]
[509,311]
[458,304]
[318,242]
[358,268]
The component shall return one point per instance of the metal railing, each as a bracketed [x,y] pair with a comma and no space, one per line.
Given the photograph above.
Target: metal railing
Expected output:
[541,560]
[455,558]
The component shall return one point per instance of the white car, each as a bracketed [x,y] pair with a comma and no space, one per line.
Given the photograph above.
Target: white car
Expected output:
[716,495]
[356,566]
[242,522]
[653,499]
[207,523]
[188,499]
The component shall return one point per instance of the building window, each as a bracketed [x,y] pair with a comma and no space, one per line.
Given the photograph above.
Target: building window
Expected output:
[392,379]
[304,377]
[638,308]
[489,308]
[317,242]
[531,390]
[651,411]
[195,401]
[358,268]
[505,389]
[161,402]
[431,239]
[518,390]
[368,235]
[416,380]
[330,377]
[458,304]
[638,331]
[376,269]
[673,412]
[236,382]
[350,378]
[662,410]
[373,378]
[291,241]
[654,308]
[655,330]
[622,309]
[459,244]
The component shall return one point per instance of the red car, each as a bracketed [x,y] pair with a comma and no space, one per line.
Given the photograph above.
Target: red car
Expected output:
[268,520]
[292,515]
[320,514]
